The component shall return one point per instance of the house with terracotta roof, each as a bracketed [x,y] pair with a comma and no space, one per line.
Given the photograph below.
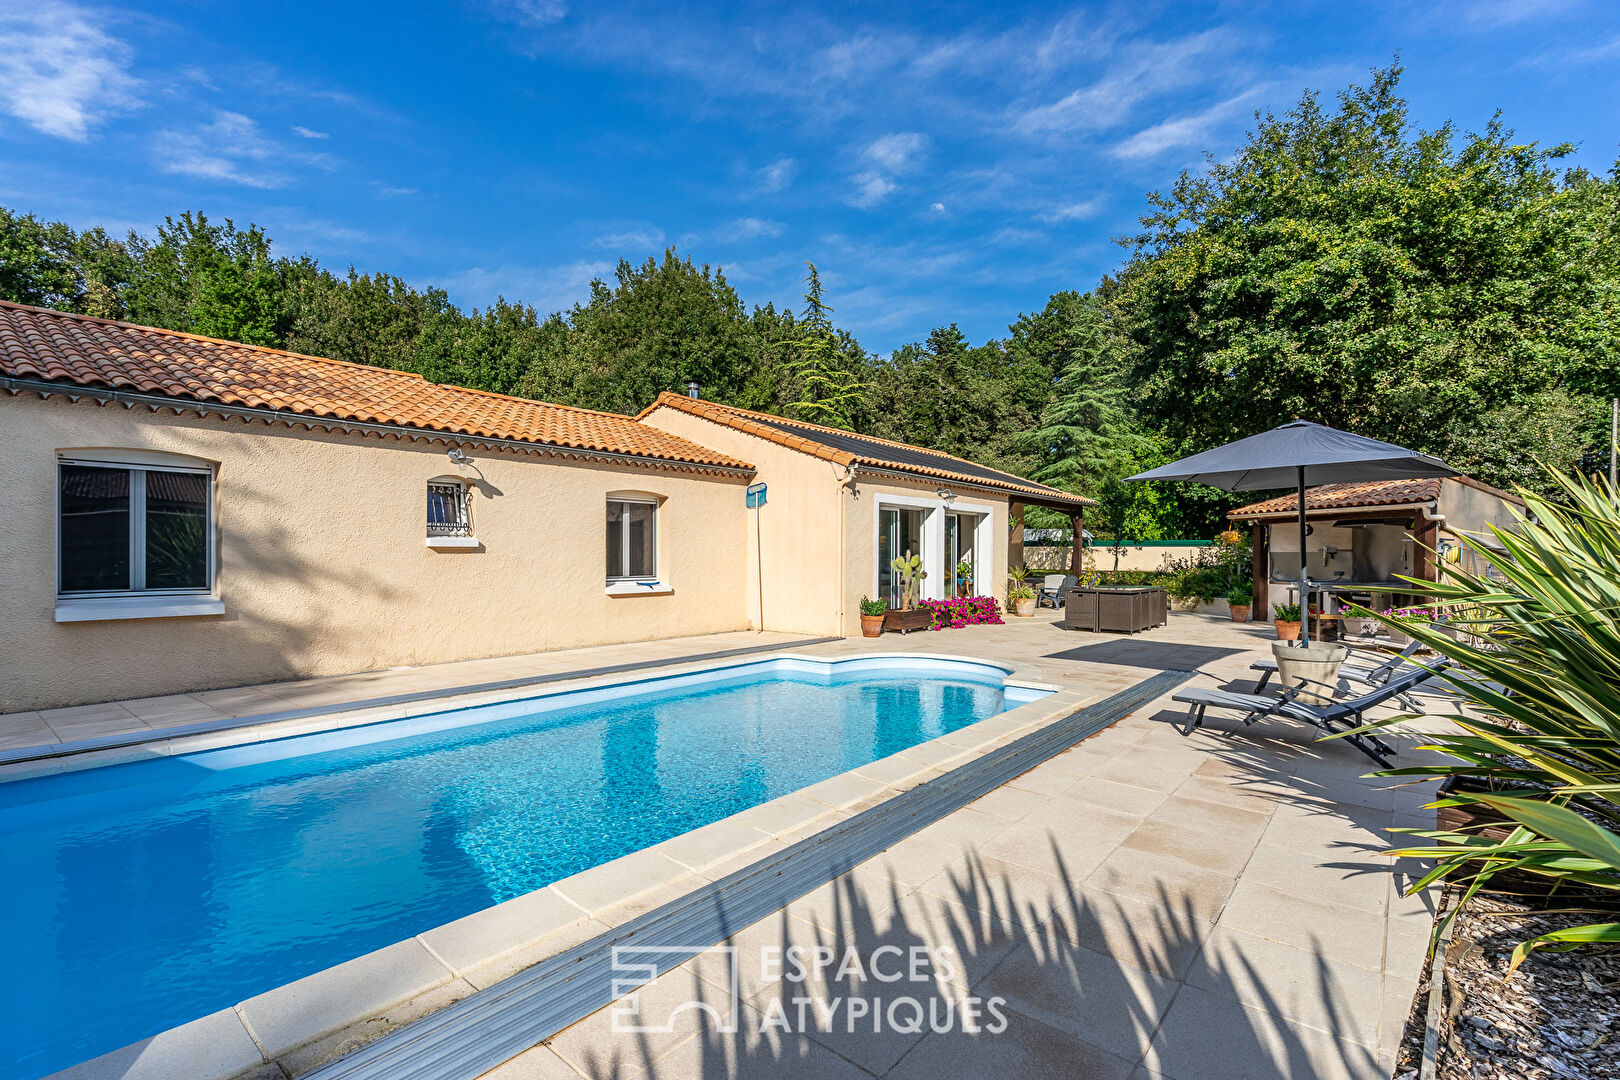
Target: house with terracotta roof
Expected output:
[188,513]
[841,506]
[1371,534]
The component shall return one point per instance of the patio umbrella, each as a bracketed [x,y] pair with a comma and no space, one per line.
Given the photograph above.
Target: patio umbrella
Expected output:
[1300,454]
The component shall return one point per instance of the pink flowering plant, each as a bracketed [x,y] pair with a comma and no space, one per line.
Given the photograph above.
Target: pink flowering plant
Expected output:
[960,611]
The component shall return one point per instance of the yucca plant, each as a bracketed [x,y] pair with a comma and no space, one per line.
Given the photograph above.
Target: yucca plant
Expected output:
[1539,669]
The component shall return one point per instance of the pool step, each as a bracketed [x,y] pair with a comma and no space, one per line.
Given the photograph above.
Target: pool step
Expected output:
[492,1026]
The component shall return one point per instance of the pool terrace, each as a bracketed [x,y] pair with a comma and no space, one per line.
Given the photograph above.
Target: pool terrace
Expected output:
[1147,905]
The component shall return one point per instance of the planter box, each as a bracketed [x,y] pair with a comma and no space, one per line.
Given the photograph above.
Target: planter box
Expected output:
[907,621]
[1497,825]
[1126,610]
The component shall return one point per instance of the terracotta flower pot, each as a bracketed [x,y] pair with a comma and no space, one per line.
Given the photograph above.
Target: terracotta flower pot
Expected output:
[1240,612]
[1024,609]
[871,625]
[1286,631]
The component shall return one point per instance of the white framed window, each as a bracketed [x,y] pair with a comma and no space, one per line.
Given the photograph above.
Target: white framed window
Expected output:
[447,509]
[632,544]
[449,515]
[134,537]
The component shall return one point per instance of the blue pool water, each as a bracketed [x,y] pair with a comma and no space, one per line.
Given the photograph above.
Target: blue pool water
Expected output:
[141,896]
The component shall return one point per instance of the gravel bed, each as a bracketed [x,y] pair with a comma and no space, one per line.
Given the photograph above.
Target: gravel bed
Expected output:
[1556,1018]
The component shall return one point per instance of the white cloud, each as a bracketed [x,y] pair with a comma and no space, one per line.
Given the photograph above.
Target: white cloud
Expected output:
[1074,211]
[1194,131]
[637,238]
[748,228]
[897,152]
[937,208]
[309,133]
[386,192]
[777,175]
[231,148]
[60,73]
[546,288]
[1493,13]
[1142,71]
[529,12]
[871,188]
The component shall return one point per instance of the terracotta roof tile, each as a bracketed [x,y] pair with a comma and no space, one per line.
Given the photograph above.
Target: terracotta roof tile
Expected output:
[1347,496]
[56,347]
[833,444]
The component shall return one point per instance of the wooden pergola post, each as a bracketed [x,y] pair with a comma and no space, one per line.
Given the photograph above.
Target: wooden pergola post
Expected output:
[1262,575]
[1077,559]
[1015,536]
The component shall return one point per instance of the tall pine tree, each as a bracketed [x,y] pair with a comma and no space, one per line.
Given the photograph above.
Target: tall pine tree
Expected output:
[824,385]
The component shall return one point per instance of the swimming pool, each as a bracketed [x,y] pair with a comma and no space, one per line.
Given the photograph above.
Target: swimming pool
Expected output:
[144,895]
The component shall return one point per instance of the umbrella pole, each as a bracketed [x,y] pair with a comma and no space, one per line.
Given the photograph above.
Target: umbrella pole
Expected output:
[1304,578]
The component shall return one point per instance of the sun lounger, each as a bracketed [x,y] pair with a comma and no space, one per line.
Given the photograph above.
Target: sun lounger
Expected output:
[1370,677]
[1336,718]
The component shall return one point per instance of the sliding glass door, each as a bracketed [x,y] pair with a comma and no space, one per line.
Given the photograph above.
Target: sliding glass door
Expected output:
[961,555]
[899,533]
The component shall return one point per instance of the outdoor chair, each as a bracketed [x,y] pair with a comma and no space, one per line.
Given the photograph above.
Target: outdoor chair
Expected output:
[1369,677]
[1334,719]
[1053,589]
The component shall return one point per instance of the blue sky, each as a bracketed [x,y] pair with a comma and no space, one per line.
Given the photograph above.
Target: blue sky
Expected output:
[955,163]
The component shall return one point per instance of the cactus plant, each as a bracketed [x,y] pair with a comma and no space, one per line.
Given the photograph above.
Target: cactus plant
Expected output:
[909,567]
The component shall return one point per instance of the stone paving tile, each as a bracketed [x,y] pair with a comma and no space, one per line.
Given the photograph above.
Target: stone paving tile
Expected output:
[1126,798]
[1207,1036]
[1092,996]
[1317,925]
[1024,1048]
[1338,998]
[1156,879]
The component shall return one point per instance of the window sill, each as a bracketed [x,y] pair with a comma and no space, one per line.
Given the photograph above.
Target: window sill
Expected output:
[106,608]
[453,543]
[638,588]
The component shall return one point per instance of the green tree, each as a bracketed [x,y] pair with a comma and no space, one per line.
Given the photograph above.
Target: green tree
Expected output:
[38,264]
[1086,433]
[824,386]
[1411,285]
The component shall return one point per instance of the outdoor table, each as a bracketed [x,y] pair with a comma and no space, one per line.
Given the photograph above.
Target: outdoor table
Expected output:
[1128,609]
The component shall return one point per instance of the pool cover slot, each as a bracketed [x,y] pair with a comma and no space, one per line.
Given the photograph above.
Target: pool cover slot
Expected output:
[476,1034]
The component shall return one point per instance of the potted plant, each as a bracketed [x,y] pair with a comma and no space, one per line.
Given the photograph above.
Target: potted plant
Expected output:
[910,615]
[1241,601]
[1020,594]
[1286,621]
[872,612]
[964,578]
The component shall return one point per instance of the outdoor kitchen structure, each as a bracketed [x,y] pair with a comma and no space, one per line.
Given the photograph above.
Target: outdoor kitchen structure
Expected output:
[1363,537]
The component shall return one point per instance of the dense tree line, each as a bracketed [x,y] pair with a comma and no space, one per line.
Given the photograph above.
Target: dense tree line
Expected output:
[1455,293]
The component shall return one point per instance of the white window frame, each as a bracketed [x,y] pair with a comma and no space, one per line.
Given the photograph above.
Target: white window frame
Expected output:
[933,537]
[638,584]
[137,601]
[454,540]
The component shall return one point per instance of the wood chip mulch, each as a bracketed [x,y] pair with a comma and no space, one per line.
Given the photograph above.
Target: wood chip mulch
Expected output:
[1556,1018]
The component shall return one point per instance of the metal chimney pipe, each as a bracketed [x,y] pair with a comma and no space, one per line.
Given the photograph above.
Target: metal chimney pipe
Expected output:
[692,389]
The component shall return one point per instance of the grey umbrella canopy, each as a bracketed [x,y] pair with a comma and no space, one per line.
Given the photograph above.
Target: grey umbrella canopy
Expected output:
[1300,455]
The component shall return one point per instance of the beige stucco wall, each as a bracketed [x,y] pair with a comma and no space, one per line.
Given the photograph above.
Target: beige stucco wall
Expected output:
[1054,559]
[1471,511]
[323,566]
[792,565]
[813,580]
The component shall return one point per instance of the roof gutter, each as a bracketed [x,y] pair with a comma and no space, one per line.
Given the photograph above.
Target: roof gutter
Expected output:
[1334,511]
[980,485]
[248,413]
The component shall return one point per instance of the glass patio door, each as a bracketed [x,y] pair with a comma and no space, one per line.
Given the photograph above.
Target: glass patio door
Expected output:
[899,533]
[961,558]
